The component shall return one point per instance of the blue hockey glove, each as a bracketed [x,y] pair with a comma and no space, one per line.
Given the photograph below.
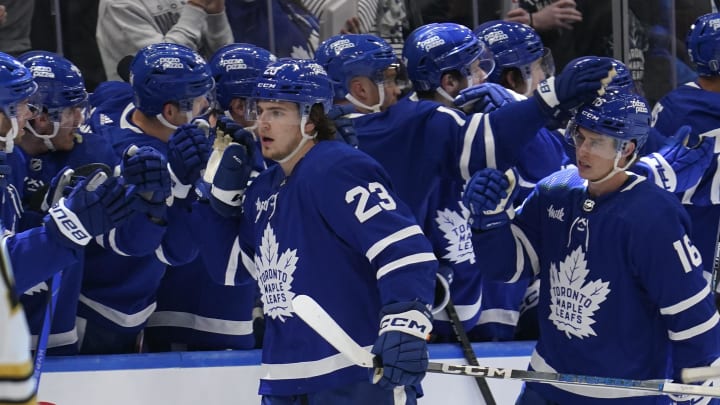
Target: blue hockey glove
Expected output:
[230,180]
[63,182]
[580,82]
[483,98]
[344,126]
[676,167]
[5,170]
[489,196]
[145,170]
[188,153]
[402,346]
[96,205]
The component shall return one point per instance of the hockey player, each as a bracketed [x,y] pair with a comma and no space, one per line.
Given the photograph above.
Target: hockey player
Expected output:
[170,84]
[193,312]
[691,104]
[366,260]
[646,279]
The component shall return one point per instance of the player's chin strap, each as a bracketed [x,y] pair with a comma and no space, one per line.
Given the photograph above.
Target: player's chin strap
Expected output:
[303,141]
[10,135]
[374,107]
[444,94]
[167,124]
[45,138]
[615,168]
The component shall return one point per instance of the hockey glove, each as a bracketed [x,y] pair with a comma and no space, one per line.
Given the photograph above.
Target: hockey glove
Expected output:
[344,126]
[489,196]
[402,346]
[230,180]
[63,182]
[483,98]
[675,167]
[96,205]
[188,153]
[5,170]
[145,170]
[581,81]
[228,131]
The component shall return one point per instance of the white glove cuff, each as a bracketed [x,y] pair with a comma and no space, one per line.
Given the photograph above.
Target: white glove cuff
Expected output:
[546,90]
[232,198]
[179,190]
[412,322]
[661,171]
[69,224]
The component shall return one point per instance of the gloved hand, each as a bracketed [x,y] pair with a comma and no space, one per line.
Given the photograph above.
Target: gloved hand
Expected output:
[581,81]
[5,170]
[489,196]
[228,131]
[188,153]
[676,167]
[483,98]
[63,182]
[344,126]
[96,205]
[231,180]
[145,170]
[402,346]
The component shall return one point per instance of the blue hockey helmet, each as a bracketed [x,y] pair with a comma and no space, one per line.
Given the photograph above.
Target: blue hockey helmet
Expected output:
[703,44]
[351,55]
[16,83]
[300,81]
[60,82]
[162,73]
[434,49]
[513,45]
[236,68]
[622,116]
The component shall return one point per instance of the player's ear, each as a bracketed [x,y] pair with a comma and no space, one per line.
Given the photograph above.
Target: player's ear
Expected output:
[309,127]
[450,83]
[169,110]
[357,89]
[629,148]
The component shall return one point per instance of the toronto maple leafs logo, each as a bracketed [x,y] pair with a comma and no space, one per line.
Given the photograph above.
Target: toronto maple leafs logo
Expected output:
[275,276]
[573,299]
[457,232]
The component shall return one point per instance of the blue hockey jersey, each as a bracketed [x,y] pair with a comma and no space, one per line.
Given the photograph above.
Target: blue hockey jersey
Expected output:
[334,230]
[621,286]
[121,278]
[690,105]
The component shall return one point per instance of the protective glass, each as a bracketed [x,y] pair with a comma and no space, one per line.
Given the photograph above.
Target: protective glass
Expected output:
[593,143]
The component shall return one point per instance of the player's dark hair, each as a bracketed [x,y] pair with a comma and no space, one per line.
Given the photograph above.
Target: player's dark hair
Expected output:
[323,125]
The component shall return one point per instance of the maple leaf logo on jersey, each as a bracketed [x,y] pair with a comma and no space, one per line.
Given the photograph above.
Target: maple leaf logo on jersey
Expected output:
[275,276]
[456,231]
[573,300]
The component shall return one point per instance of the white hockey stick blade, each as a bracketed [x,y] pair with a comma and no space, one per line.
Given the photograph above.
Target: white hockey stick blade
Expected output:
[699,374]
[320,321]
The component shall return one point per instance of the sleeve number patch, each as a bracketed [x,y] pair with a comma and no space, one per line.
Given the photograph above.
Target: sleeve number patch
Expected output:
[363,212]
[688,254]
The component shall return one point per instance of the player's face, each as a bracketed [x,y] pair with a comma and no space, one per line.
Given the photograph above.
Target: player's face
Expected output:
[595,153]
[391,87]
[70,119]
[279,128]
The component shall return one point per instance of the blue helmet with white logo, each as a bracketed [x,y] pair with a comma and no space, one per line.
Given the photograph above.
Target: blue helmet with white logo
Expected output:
[163,73]
[351,55]
[622,116]
[16,83]
[60,82]
[236,68]
[703,44]
[434,49]
[513,45]
[300,81]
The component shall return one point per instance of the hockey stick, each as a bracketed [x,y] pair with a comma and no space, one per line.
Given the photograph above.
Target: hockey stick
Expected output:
[715,268]
[468,351]
[320,321]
